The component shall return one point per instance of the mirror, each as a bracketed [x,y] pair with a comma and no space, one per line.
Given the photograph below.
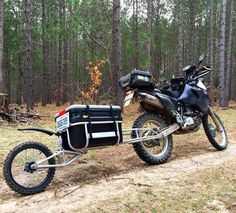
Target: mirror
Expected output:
[201,58]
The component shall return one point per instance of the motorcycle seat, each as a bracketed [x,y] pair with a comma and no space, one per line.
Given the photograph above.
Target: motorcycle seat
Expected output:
[174,93]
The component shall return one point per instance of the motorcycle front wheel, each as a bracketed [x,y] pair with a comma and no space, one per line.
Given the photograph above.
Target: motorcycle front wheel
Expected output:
[215,134]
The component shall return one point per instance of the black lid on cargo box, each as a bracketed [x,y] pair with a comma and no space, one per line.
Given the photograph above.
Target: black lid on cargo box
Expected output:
[98,108]
[92,108]
[140,72]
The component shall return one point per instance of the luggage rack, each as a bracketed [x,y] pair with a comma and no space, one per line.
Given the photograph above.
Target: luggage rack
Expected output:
[61,153]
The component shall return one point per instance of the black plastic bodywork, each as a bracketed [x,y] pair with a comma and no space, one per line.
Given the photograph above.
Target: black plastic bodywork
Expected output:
[195,97]
[170,103]
[191,96]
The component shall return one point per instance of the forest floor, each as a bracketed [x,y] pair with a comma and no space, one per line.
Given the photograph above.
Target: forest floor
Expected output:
[196,178]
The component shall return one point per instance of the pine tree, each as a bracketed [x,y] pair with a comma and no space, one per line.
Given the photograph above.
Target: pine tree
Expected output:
[2,86]
[117,65]
[149,32]
[191,31]
[180,35]
[229,51]
[223,99]
[28,74]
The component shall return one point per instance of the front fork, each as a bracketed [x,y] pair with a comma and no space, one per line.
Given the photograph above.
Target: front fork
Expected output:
[215,119]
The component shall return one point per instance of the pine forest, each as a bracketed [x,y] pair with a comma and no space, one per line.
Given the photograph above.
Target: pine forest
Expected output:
[75,50]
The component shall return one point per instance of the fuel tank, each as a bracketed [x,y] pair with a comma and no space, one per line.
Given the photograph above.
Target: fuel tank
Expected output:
[195,97]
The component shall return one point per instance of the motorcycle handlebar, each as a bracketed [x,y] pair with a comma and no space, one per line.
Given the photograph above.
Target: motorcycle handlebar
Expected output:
[199,73]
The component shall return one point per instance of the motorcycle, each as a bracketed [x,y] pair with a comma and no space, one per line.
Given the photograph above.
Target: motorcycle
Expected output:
[178,108]
[184,102]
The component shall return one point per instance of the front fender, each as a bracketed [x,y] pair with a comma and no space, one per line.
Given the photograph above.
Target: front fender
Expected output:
[45,131]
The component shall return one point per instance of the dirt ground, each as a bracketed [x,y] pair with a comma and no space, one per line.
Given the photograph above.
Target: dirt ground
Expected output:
[116,180]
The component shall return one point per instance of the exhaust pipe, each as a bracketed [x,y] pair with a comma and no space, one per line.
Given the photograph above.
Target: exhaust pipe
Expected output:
[151,100]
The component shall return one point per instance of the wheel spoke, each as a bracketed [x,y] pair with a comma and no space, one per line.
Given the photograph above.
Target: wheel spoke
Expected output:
[217,138]
[18,171]
[25,178]
[152,151]
[154,146]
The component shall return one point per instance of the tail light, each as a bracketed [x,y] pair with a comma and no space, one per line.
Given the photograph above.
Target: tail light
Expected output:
[62,112]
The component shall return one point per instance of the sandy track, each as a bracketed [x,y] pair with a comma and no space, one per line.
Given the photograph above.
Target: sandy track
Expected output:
[88,197]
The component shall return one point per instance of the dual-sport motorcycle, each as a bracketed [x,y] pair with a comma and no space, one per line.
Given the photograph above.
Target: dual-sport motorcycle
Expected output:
[179,108]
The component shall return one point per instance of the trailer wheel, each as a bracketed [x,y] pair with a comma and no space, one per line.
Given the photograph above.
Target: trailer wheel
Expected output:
[19,173]
[156,151]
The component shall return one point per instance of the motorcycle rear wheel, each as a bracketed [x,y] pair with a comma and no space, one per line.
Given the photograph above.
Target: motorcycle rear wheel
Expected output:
[162,147]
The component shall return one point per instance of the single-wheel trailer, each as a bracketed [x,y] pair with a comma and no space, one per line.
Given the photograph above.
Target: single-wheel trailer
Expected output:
[30,167]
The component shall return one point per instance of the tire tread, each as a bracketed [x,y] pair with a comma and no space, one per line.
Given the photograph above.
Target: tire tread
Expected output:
[210,137]
[7,169]
[139,148]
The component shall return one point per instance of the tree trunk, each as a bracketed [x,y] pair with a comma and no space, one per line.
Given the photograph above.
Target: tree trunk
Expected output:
[229,51]
[233,67]
[59,98]
[2,86]
[117,69]
[234,82]
[98,28]
[149,32]
[156,57]
[212,52]
[223,99]
[19,87]
[19,83]
[28,75]
[45,61]
[65,57]
[65,71]
[191,31]
[180,35]
[135,34]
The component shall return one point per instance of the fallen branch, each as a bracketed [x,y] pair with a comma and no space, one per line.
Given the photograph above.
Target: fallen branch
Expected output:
[70,192]
[15,116]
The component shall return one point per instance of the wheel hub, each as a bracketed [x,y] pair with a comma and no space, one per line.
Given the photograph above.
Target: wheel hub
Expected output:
[212,130]
[29,167]
[151,143]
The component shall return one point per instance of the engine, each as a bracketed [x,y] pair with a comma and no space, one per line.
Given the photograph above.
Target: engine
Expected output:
[192,120]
